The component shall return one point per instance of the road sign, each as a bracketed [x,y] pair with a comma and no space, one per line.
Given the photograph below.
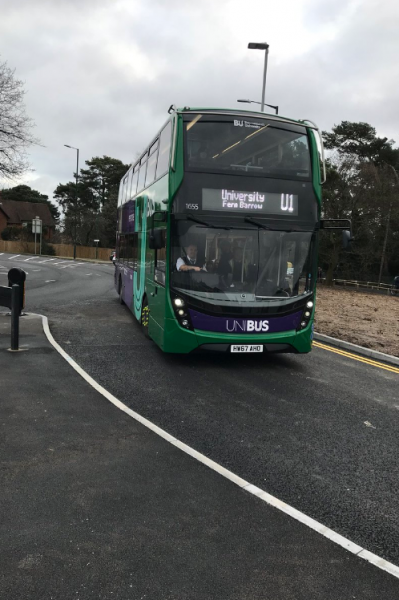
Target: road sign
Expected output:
[36,225]
[37,229]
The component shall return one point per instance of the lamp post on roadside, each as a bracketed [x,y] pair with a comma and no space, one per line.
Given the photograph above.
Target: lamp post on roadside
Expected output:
[76,198]
[254,102]
[263,46]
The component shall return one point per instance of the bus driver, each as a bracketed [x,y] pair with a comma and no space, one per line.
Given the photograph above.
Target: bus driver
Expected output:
[189,261]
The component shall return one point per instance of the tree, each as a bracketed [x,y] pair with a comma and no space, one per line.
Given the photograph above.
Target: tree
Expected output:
[109,214]
[102,178]
[360,141]
[366,166]
[24,193]
[93,215]
[80,210]
[15,125]
[338,203]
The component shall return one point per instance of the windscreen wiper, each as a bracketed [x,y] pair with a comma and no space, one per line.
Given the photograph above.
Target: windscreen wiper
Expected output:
[255,222]
[192,218]
[247,167]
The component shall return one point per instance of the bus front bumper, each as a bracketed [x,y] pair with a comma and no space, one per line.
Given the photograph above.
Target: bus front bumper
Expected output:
[179,340]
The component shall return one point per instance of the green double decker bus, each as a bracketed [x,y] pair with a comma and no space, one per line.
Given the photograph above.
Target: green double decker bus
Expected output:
[217,234]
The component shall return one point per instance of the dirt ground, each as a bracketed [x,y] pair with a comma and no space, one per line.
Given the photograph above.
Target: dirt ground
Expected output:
[369,320]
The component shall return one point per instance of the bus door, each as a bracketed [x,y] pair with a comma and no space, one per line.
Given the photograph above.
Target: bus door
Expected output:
[156,291]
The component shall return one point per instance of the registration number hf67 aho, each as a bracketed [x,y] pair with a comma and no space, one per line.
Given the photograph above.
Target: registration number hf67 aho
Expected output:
[246,348]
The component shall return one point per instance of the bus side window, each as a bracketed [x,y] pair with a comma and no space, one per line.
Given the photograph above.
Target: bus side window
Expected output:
[160,260]
[142,172]
[164,150]
[152,163]
[134,181]
[128,184]
[125,181]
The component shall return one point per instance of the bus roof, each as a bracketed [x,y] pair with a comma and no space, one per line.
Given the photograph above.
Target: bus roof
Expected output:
[245,113]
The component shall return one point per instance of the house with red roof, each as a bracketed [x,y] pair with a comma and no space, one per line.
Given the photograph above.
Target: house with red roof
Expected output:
[20,214]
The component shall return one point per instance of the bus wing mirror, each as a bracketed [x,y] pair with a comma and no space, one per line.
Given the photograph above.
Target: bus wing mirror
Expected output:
[157,239]
[159,217]
[343,225]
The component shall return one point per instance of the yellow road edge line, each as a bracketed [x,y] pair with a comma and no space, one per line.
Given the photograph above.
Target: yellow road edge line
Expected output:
[362,359]
[355,356]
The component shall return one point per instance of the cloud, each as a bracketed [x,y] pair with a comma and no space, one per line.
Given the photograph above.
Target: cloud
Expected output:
[101,75]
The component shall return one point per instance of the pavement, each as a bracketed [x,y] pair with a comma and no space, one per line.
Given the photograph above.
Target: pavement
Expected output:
[95,505]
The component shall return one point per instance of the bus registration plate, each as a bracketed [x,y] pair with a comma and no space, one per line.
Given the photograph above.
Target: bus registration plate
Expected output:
[246,348]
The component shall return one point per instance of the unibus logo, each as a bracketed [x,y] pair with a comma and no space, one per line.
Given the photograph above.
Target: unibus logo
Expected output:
[248,326]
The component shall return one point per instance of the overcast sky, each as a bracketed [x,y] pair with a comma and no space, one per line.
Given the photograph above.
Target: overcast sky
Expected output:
[101,74]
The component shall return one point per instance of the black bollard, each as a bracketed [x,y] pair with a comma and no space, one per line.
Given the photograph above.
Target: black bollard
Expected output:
[15,310]
[18,277]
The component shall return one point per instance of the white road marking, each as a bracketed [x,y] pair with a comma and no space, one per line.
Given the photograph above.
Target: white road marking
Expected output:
[88,273]
[1,253]
[50,280]
[35,270]
[31,258]
[2,273]
[60,263]
[328,533]
[47,260]
[11,257]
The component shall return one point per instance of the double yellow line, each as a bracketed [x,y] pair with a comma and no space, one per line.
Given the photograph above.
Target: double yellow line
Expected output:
[363,359]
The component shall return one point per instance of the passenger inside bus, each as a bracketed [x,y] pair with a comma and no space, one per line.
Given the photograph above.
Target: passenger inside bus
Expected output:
[238,267]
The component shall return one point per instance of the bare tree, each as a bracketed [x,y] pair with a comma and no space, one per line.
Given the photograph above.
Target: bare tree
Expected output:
[15,125]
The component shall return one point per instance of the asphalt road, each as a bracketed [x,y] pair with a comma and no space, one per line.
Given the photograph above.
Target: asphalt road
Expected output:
[318,431]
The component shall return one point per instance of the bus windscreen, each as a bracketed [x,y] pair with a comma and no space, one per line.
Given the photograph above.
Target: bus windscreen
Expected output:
[240,265]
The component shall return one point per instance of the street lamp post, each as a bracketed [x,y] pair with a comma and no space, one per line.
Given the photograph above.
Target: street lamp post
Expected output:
[264,46]
[254,102]
[76,197]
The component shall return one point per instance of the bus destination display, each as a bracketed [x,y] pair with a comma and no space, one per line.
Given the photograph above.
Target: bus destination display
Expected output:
[259,202]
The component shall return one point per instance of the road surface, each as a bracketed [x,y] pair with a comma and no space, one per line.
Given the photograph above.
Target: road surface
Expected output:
[318,431]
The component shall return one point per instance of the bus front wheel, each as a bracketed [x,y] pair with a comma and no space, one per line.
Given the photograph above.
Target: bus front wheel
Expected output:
[145,314]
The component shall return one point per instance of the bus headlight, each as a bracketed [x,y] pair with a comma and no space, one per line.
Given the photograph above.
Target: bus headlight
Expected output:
[309,304]
[307,314]
[303,324]
[182,313]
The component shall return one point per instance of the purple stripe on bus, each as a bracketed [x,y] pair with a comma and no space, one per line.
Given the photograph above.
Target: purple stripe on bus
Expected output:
[243,326]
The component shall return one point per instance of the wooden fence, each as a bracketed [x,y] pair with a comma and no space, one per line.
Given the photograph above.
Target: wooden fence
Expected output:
[61,250]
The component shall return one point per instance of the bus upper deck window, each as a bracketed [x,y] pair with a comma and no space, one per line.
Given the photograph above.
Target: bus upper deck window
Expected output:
[164,150]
